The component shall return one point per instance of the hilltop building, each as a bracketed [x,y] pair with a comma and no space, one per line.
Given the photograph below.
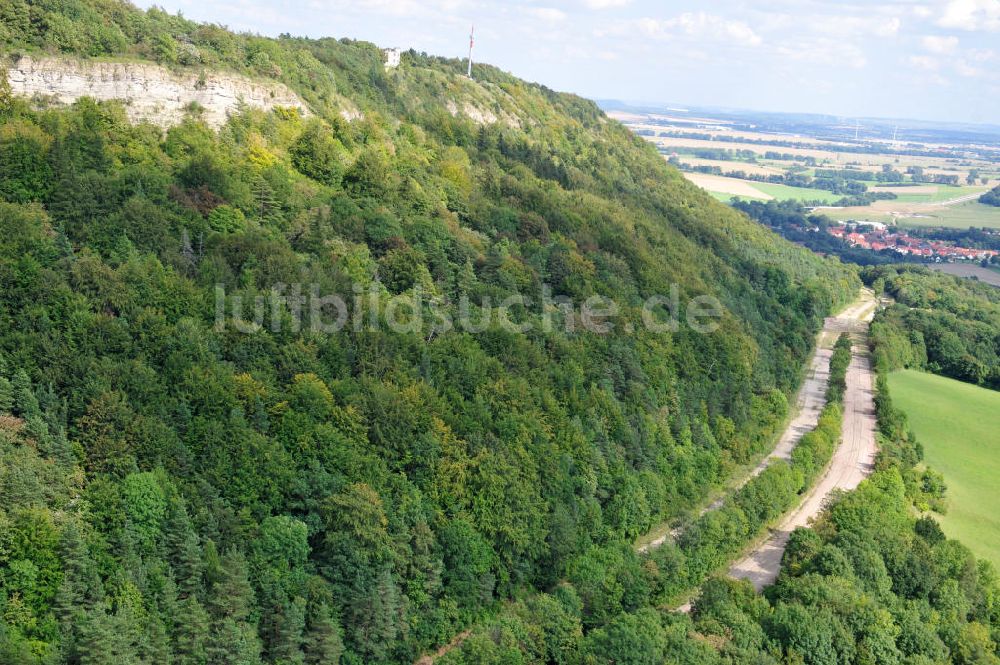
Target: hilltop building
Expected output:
[392,57]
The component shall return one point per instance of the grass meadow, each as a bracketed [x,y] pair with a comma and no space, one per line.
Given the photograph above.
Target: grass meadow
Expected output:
[959,426]
[960,216]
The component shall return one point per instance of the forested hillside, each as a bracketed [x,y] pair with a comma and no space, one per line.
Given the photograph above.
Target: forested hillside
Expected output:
[873,580]
[172,490]
[942,324]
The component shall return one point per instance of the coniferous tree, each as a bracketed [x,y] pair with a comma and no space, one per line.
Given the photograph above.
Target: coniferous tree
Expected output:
[25,403]
[377,617]
[233,638]
[322,643]
[190,632]
[63,243]
[6,395]
[155,644]
[183,550]
[80,592]
[97,640]
[290,624]
[265,203]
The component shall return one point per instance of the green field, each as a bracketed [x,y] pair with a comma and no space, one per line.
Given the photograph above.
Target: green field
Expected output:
[784,192]
[779,192]
[943,193]
[960,216]
[958,424]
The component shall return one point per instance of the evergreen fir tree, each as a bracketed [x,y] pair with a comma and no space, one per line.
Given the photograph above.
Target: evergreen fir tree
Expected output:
[80,591]
[232,595]
[465,279]
[6,395]
[96,642]
[59,448]
[64,245]
[168,606]
[183,550]
[264,201]
[290,623]
[233,639]
[233,643]
[38,429]
[377,618]
[155,646]
[25,402]
[190,634]
[322,643]
[124,249]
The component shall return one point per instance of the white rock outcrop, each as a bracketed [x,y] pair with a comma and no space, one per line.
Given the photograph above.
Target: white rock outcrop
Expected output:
[151,93]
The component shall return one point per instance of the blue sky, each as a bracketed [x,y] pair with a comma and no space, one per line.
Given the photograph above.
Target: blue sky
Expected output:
[932,59]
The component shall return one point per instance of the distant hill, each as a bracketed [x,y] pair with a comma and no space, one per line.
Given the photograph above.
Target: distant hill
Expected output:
[819,125]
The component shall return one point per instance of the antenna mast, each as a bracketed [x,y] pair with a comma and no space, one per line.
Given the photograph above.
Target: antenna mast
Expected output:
[472,42]
[857,129]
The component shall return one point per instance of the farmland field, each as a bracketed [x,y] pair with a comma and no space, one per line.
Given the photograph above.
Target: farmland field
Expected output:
[960,216]
[799,193]
[727,187]
[746,167]
[958,424]
[835,149]
[931,193]
[750,189]
[987,275]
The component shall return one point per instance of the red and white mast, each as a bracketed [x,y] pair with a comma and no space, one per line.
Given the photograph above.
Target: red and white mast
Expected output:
[472,42]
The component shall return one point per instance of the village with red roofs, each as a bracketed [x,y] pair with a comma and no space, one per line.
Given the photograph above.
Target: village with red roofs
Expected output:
[879,237]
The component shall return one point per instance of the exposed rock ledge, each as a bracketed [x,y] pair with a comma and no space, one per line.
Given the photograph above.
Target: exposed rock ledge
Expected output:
[150,92]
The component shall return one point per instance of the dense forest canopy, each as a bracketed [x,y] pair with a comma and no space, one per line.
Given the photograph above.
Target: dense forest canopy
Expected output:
[874,580]
[940,323]
[175,492]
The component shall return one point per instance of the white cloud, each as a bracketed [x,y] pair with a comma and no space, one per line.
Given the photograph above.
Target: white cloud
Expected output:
[824,51]
[393,7]
[981,55]
[965,69]
[847,26]
[925,62]
[887,28]
[606,4]
[971,15]
[550,14]
[700,25]
[930,70]
[939,45]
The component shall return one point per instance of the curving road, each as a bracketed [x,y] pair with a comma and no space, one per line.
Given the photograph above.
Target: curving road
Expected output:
[961,199]
[809,403]
[852,462]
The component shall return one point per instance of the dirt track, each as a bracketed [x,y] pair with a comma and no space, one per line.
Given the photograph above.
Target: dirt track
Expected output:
[809,403]
[852,461]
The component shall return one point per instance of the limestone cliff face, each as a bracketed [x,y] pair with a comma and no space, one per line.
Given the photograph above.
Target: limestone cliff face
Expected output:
[151,93]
